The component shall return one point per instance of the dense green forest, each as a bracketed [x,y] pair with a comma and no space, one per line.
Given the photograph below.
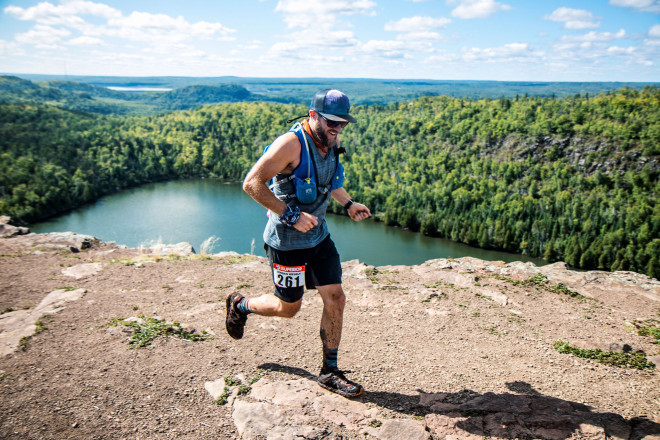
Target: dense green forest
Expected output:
[572,179]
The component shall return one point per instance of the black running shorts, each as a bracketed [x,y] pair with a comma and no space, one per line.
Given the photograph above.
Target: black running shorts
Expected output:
[293,270]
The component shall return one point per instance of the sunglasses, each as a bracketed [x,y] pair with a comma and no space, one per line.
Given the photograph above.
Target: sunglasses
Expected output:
[334,124]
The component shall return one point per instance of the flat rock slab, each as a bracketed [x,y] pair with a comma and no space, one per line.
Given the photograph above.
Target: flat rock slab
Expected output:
[295,409]
[10,231]
[505,416]
[82,270]
[21,323]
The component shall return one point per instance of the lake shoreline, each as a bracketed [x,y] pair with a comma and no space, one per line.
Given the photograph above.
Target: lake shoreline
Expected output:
[196,209]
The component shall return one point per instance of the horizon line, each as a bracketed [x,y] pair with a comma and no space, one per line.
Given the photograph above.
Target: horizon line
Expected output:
[315,78]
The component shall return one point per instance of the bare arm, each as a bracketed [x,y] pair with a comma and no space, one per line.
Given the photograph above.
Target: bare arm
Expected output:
[283,156]
[356,211]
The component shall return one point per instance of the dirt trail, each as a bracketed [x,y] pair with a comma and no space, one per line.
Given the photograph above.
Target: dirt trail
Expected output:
[447,348]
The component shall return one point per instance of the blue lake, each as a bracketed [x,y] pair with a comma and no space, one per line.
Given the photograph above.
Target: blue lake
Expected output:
[196,210]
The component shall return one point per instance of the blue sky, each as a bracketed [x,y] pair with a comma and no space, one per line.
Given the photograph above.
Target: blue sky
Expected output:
[504,40]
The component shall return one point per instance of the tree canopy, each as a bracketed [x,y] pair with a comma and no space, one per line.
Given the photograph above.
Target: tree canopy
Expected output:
[572,179]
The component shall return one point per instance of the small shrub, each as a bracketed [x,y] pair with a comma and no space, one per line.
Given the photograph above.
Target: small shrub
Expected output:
[240,259]
[541,281]
[40,327]
[648,328]
[371,273]
[151,328]
[635,360]
[438,284]
[243,388]
[433,295]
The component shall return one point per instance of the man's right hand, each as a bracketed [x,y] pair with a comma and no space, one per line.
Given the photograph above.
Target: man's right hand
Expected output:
[306,222]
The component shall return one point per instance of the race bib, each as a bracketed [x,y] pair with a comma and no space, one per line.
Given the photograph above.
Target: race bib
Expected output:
[288,276]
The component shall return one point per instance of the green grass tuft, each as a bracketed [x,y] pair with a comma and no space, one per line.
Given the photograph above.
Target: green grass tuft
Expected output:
[540,281]
[151,328]
[648,328]
[243,388]
[635,360]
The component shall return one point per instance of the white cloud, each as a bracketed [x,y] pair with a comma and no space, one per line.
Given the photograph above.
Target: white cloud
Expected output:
[299,45]
[204,29]
[387,49]
[42,36]
[476,8]
[252,45]
[382,45]
[146,20]
[319,27]
[338,39]
[595,36]
[442,56]
[616,50]
[147,26]
[504,53]
[417,24]
[7,47]
[418,30]
[655,31]
[420,36]
[320,13]
[57,21]
[596,52]
[294,51]
[325,38]
[641,5]
[574,18]
[66,14]
[86,41]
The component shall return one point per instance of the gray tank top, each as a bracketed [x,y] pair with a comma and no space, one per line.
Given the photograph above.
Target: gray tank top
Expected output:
[285,238]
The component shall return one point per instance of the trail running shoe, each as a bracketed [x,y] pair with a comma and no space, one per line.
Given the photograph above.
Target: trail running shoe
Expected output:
[235,321]
[334,380]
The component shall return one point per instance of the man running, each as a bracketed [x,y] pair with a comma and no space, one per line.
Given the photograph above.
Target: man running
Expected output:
[296,237]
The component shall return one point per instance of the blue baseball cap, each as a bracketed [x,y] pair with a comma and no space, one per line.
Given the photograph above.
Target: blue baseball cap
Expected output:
[333,105]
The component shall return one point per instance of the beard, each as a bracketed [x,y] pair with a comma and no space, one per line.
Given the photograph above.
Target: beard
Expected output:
[321,136]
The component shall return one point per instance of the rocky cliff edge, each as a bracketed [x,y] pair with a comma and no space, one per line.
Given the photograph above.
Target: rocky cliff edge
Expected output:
[449,349]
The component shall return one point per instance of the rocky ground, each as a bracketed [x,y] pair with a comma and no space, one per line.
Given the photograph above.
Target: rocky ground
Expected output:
[450,349]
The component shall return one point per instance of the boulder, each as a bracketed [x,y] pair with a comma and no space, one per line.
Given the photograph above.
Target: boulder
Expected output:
[182,249]
[7,230]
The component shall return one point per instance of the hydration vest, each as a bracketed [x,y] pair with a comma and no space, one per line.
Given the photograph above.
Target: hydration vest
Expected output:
[304,176]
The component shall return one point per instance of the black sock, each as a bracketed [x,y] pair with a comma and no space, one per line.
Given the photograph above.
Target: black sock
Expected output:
[330,358]
[243,306]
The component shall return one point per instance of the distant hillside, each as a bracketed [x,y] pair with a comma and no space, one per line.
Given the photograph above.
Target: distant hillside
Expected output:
[361,90]
[70,95]
[96,99]
[195,96]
